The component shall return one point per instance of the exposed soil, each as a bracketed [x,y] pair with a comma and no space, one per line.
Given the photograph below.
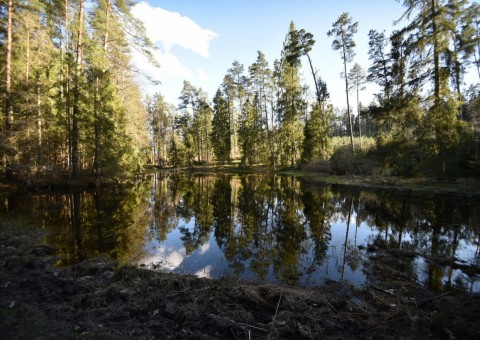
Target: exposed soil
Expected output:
[97,299]
[466,186]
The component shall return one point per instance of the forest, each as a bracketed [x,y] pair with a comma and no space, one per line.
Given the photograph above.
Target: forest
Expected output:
[73,106]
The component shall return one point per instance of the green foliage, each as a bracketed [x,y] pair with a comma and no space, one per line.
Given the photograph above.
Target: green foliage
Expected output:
[291,106]
[250,133]
[341,161]
[220,135]
[380,70]
[77,105]
[440,136]
[195,122]
[76,101]
[160,124]
[263,90]
[316,144]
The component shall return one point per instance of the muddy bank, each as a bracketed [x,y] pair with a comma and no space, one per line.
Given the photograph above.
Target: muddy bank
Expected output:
[97,299]
[60,182]
[466,186]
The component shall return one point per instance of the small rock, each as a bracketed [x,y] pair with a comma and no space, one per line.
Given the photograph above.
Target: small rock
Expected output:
[78,328]
[107,274]
[42,250]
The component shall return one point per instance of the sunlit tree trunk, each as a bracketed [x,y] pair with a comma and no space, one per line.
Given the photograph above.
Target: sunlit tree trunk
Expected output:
[350,125]
[97,128]
[76,91]
[8,95]
[67,90]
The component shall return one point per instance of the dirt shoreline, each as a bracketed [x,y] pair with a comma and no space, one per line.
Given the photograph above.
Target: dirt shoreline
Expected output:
[466,186]
[98,299]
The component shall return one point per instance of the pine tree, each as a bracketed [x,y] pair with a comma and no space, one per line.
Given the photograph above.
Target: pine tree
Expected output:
[429,37]
[220,135]
[317,131]
[250,132]
[291,105]
[160,126]
[380,70]
[261,78]
[357,80]
[343,31]
[8,94]
[471,34]
[236,85]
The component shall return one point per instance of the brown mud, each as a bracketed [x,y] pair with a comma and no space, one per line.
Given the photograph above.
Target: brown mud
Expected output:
[98,299]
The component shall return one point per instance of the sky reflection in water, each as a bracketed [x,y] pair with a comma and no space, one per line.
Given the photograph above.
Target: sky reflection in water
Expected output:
[283,230]
[262,228]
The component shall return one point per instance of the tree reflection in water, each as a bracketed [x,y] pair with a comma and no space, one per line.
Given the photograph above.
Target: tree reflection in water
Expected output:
[262,227]
[281,229]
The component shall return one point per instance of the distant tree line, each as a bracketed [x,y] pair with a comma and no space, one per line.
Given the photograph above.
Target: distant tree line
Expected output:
[422,121]
[72,104]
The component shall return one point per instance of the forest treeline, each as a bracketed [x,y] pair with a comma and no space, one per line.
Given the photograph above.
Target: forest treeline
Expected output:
[72,104]
[422,122]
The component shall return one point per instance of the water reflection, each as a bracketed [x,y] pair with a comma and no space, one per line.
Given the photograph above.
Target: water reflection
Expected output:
[83,225]
[280,229]
[263,228]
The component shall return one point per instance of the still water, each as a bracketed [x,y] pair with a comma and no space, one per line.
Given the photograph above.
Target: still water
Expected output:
[261,228]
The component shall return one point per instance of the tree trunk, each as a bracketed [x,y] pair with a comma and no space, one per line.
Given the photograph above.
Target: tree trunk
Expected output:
[436,90]
[39,125]
[476,53]
[436,58]
[96,166]
[352,144]
[317,90]
[359,119]
[76,93]
[8,95]
[67,91]
[97,113]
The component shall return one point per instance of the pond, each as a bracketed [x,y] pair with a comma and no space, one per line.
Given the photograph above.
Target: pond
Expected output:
[263,228]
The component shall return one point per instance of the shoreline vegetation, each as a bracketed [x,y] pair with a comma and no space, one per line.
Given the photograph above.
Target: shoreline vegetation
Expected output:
[464,185]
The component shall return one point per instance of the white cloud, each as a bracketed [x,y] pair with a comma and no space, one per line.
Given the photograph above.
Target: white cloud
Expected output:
[167,29]
[167,257]
[171,28]
[204,248]
[169,66]
[205,272]
[202,75]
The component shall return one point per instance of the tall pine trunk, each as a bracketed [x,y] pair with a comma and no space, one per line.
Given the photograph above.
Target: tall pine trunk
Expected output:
[352,143]
[76,92]
[436,92]
[359,120]
[66,92]
[8,96]
[97,98]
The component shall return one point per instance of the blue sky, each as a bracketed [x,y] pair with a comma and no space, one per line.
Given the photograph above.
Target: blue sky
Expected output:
[199,39]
